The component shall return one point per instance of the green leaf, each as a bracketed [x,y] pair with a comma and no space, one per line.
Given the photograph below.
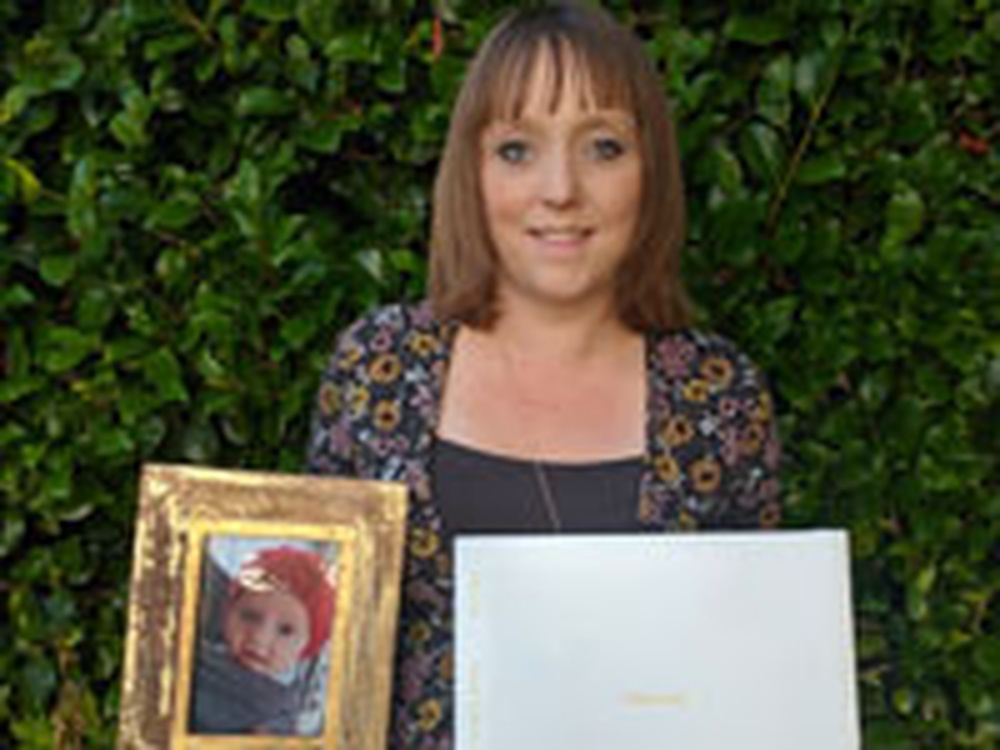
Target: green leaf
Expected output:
[57,270]
[50,66]
[69,14]
[169,45]
[822,169]
[124,349]
[392,76]
[114,444]
[14,102]
[297,332]
[127,130]
[776,319]
[177,212]
[763,151]
[172,266]
[264,101]
[353,45]
[129,125]
[163,371]
[14,296]
[14,388]
[774,102]
[811,71]
[82,208]
[11,534]
[904,217]
[271,10]
[760,30]
[63,348]
[323,137]
[318,18]
[29,184]
[143,13]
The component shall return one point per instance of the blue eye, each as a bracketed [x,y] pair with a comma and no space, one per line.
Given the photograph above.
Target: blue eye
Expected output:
[607,149]
[512,152]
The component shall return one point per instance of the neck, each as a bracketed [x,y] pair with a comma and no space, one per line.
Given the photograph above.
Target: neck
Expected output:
[566,335]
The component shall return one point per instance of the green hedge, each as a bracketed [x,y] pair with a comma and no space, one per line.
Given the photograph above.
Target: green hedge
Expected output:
[195,195]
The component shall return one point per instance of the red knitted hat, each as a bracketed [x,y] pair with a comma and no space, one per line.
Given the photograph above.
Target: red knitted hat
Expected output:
[303,574]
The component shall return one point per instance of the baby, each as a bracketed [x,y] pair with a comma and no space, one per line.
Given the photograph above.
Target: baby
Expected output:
[277,614]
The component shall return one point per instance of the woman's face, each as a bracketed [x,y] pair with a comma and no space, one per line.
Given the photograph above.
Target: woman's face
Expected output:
[561,190]
[266,631]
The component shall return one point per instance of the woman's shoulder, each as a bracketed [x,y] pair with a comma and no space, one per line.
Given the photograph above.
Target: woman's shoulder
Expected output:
[402,328]
[698,354]
[398,319]
[390,346]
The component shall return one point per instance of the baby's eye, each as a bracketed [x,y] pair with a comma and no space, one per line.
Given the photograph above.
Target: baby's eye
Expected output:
[606,148]
[513,151]
[286,629]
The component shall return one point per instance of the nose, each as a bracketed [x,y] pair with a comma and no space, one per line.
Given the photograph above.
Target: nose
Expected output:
[260,639]
[560,179]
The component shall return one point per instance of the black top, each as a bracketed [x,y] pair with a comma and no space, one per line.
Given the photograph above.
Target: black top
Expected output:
[480,492]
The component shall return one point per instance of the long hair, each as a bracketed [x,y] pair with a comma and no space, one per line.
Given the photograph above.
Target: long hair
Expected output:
[649,292]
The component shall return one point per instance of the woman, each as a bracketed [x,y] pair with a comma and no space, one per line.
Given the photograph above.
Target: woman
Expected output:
[551,382]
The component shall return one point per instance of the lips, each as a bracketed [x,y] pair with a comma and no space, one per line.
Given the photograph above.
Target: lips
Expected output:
[561,239]
[254,661]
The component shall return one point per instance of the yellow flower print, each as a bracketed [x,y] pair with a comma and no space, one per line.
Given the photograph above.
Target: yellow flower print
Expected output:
[446,668]
[764,409]
[349,357]
[357,400]
[385,368]
[429,714]
[686,522]
[423,345]
[424,543]
[678,431]
[751,439]
[329,400]
[667,469]
[696,390]
[386,415]
[706,473]
[769,516]
[718,371]
[420,632]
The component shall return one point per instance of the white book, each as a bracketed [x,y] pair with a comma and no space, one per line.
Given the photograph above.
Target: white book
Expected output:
[712,641]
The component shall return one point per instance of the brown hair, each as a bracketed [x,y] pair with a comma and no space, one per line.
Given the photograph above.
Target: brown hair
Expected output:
[649,291]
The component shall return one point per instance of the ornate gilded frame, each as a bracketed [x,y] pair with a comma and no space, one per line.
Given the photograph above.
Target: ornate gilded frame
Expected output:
[180,508]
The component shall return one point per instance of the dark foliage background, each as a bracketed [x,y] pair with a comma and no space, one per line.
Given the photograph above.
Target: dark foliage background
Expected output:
[195,195]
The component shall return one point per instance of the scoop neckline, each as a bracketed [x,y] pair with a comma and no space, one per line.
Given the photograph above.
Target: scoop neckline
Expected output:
[481,453]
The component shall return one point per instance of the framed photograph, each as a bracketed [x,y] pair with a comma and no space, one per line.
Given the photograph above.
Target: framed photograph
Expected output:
[262,611]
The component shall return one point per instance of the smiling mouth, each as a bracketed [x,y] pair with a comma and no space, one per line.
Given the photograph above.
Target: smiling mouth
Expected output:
[254,660]
[562,237]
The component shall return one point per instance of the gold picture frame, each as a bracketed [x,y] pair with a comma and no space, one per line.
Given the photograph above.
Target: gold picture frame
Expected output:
[262,611]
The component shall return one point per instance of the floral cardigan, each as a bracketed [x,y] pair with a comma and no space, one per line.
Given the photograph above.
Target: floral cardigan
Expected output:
[711,462]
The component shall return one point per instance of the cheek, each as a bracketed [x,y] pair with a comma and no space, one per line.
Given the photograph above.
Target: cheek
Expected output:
[291,651]
[503,199]
[624,194]
[621,211]
[231,630]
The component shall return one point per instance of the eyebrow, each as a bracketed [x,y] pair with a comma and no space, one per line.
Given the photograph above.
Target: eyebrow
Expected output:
[593,121]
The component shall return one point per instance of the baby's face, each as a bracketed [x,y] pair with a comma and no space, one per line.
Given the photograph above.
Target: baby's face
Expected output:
[266,630]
